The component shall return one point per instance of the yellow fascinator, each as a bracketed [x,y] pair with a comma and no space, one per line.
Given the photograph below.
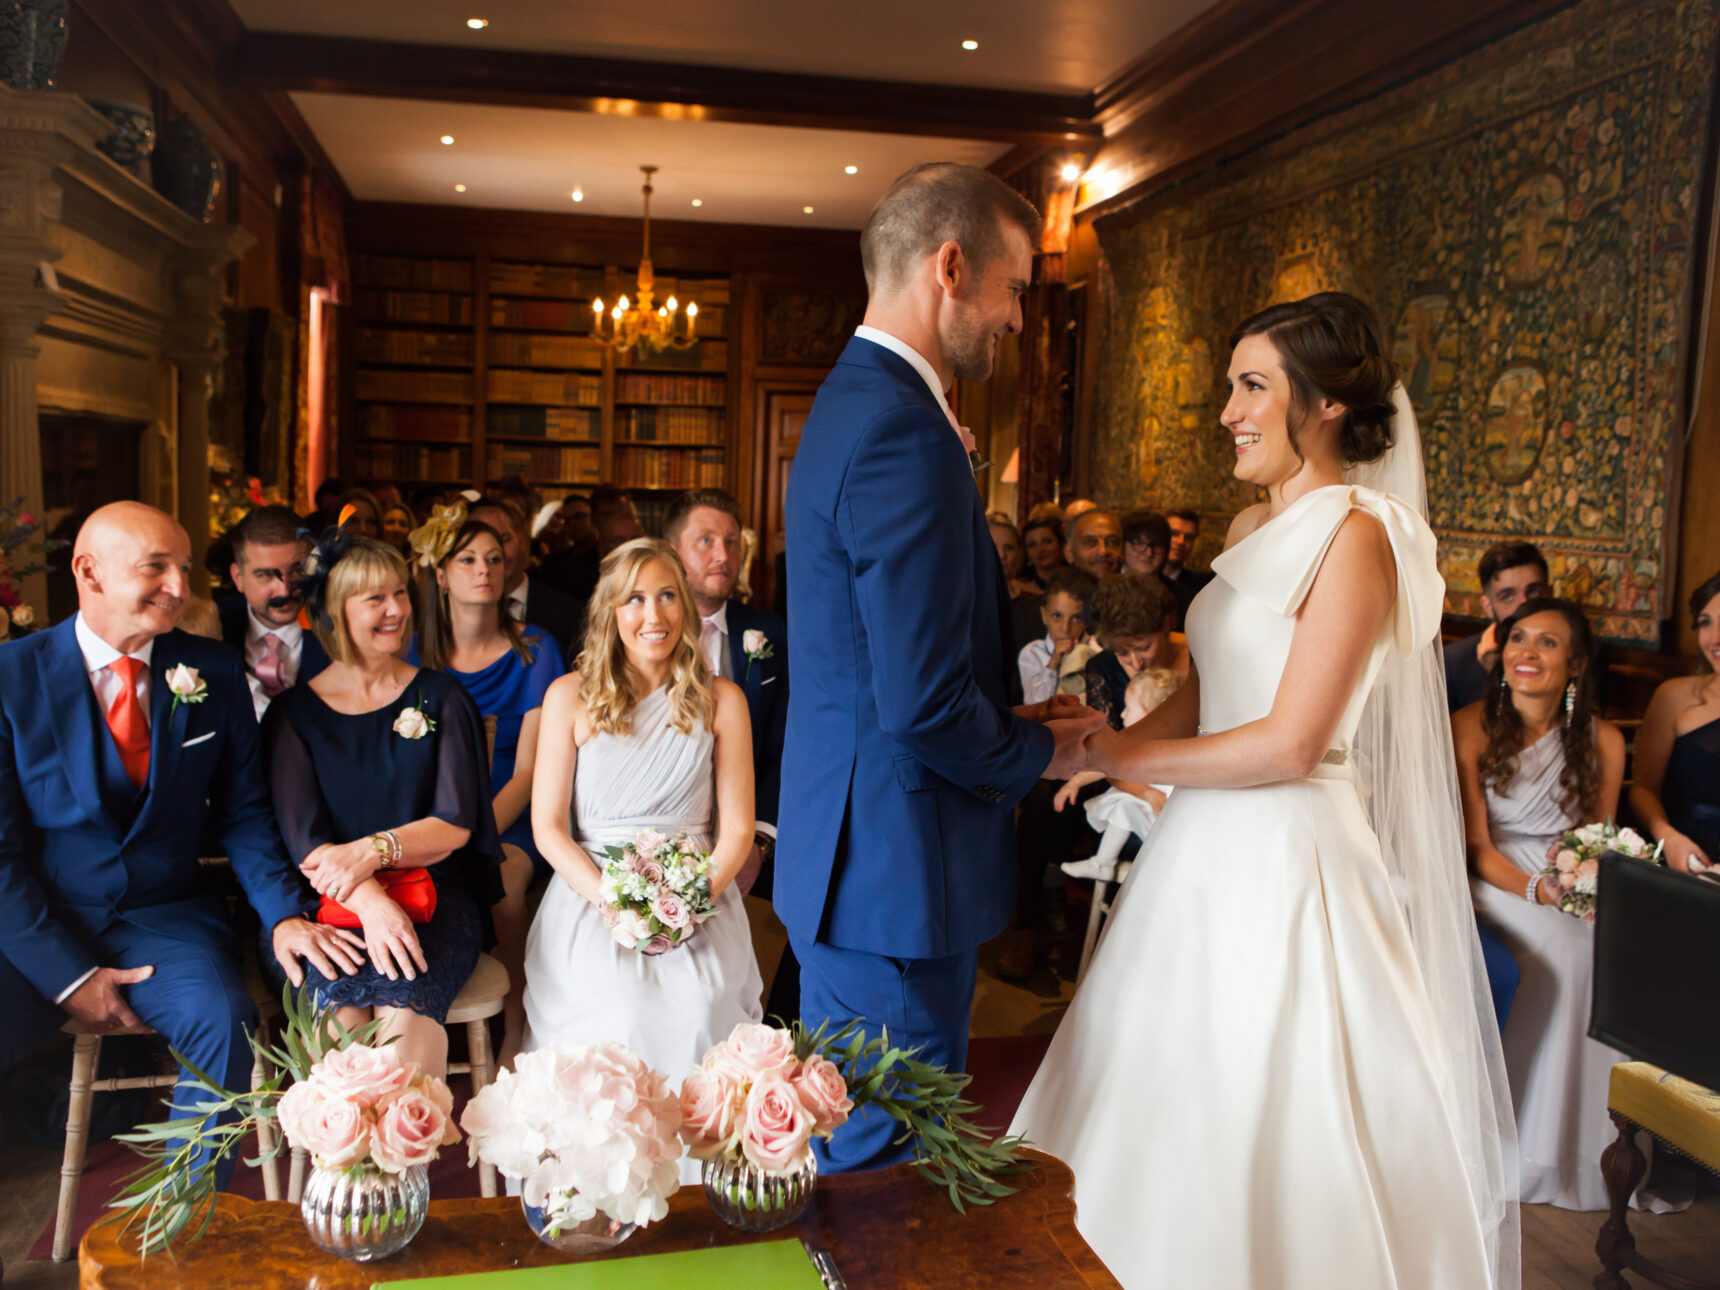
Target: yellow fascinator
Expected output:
[432,540]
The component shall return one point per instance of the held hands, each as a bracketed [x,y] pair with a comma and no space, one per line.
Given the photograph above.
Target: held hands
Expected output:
[98,1002]
[321,946]
[1070,755]
[335,869]
[388,934]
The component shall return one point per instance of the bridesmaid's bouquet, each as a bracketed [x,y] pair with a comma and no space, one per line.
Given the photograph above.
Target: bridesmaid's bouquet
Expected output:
[1574,862]
[656,890]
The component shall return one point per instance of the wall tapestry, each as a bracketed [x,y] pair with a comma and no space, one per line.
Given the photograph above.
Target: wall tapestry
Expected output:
[1524,220]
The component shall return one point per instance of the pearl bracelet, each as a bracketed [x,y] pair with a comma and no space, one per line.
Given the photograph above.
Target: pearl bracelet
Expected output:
[1529,892]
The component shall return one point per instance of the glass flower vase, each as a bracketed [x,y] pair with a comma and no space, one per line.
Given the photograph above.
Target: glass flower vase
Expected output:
[746,1197]
[596,1234]
[364,1213]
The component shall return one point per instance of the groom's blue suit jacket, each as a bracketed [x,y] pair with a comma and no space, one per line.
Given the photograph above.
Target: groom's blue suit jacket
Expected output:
[81,849]
[902,761]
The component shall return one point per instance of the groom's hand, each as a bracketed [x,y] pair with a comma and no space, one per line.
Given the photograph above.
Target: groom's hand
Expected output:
[1057,706]
[1070,754]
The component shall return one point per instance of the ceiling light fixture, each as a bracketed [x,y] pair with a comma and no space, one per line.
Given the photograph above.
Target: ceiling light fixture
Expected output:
[579,194]
[806,210]
[1070,172]
[459,188]
[851,170]
[627,325]
[447,139]
[477,24]
[970,45]
[698,201]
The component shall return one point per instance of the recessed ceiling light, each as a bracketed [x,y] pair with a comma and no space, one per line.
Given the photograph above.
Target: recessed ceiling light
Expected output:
[447,139]
[806,210]
[579,194]
[970,45]
[1071,172]
[459,188]
[698,201]
[851,170]
[477,24]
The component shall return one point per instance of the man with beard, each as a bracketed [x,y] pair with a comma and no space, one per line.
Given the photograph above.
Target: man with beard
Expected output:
[262,622]
[1510,573]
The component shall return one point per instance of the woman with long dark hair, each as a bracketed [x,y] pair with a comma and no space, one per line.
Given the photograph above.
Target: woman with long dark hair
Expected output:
[1534,759]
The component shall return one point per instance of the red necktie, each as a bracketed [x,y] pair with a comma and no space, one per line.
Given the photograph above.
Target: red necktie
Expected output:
[126,720]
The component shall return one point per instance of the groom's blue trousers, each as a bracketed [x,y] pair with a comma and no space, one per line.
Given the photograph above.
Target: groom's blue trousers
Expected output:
[923,1003]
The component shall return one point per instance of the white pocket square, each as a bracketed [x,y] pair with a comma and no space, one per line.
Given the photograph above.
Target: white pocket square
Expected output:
[769,680]
[192,743]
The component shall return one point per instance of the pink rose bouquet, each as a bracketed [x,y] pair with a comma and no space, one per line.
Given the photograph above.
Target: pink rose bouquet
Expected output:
[1574,863]
[586,1129]
[754,1097]
[656,891]
[362,1103]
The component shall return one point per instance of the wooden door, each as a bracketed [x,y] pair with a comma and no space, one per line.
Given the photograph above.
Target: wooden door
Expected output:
[782,410]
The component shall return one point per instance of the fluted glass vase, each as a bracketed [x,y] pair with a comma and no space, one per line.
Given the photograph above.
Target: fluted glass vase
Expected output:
[597,1233]
[745,1196]
[363,1213]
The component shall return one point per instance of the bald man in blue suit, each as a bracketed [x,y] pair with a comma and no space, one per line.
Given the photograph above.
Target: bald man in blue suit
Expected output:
[903,759]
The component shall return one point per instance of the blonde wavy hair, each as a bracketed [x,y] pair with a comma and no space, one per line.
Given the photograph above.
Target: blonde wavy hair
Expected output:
[606,682]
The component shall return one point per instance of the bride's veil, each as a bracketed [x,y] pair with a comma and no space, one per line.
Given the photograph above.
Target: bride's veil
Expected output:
[1408,778]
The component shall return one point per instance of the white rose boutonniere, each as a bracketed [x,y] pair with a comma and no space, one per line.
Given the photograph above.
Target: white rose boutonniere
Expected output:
[185,686]
[23,616]
[414,723]
[757,646]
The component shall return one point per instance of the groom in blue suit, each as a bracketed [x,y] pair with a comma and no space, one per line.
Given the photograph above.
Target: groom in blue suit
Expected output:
[903,760]
[120,738]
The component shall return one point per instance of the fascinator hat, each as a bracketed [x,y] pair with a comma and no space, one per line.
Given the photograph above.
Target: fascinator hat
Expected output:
[326,552]
[432,540]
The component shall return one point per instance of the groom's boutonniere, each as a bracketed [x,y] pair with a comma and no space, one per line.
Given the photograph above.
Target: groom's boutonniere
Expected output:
[186,686]
[757,646]
[978,462]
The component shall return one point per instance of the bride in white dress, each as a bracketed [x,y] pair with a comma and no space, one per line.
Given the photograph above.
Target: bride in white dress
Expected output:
[642,736]
[1282,1070]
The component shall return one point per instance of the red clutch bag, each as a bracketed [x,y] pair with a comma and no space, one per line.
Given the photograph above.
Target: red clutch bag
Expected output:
[411,888]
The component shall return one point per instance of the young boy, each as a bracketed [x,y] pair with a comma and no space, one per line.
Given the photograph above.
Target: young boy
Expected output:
[1123,809]
[1065,595]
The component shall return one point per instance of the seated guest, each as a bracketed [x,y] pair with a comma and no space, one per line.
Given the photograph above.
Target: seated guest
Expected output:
[1675,790]
[377,766]
[327,503]
[1123,810]
[200,616]
[1095,543]
[704,527]
[1008,543]
[1510,573]
[1146,542]
[398,521]
[1080,506]
[1132,624]
[506,668]
[263,620]
[366,518]
[1042,541]
[528,600]
[1061,613]
[574,572]
[1185,581]
[1533,760]
[109,777]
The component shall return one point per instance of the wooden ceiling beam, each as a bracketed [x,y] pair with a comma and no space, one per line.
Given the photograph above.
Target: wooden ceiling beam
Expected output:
[281,61]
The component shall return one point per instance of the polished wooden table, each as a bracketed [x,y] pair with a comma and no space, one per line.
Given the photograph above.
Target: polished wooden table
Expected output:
[888,1230]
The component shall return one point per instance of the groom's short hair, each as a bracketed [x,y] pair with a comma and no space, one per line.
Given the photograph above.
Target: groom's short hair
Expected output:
[938,202]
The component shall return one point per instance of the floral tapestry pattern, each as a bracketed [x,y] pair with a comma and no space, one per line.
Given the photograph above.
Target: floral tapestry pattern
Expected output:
[1524,220]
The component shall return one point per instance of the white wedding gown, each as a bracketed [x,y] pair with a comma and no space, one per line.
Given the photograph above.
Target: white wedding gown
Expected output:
[581,986]
[1248,1086]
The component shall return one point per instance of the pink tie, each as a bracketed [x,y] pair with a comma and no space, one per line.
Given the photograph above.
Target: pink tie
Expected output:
[269,667]
[961,430]
[710,645]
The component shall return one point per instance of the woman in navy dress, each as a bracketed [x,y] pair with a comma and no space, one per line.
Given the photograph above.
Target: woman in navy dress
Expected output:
[377,764]
[1676,792]
[506,668]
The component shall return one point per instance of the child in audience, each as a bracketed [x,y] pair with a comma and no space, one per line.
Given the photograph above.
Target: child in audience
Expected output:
[1123,809]
[1062,613]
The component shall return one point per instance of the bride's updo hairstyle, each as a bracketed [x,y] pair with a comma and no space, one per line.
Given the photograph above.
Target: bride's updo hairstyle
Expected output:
[1331,347]
[606,683]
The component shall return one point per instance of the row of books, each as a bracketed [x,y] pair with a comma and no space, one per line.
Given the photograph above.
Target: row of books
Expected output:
[582,388]
[545,280]
[412,306]
[646,468]
[415,387]
[402,461]
[669,424]
[552,315]
[386,421]
[520,349]
[544,423]
[568,465]
[445,347]
[653,387]
[395,271]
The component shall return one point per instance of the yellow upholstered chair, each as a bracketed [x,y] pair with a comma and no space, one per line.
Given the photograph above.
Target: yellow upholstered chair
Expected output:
[1684,1118]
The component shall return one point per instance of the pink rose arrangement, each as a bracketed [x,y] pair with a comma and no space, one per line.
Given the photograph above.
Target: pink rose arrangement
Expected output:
[1574,863]
[752,1096]
[362,1103]
[585,1129]
[656,891]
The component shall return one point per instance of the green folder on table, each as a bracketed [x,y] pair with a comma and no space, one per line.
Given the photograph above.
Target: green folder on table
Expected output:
[766,1265]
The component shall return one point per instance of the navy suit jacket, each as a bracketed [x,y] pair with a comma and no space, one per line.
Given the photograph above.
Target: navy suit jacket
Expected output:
[765,681]
[80,851]
[235,617]
[903,761]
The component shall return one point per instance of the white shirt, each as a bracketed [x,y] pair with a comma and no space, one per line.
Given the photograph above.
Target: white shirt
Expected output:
[98,655]
[720,665]
[516,600]
[1038,677]
[292,638]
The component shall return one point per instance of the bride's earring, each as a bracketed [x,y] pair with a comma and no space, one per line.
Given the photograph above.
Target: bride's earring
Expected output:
[1570,702]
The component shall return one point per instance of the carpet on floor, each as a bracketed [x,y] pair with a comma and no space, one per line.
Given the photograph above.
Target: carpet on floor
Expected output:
[1001,1069]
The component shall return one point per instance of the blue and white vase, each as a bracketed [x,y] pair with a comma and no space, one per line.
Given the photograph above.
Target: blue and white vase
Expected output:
[187,169]
[32,42]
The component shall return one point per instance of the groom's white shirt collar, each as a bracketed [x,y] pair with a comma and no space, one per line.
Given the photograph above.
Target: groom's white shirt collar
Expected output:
[916,360]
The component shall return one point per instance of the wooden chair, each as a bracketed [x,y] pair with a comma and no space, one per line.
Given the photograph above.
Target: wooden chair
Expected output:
[1102,901]
[479,1000]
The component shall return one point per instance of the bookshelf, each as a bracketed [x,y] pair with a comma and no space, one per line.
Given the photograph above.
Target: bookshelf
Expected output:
[466,370]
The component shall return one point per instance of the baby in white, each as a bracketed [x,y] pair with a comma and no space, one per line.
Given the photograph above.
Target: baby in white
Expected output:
[1123,809]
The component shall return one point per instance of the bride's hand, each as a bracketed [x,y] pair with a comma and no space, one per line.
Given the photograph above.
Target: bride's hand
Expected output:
[1069,756]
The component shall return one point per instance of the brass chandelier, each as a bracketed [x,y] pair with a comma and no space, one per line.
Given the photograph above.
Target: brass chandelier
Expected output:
[641,322]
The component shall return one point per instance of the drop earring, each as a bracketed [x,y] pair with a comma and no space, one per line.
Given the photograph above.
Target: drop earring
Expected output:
[1570,702]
